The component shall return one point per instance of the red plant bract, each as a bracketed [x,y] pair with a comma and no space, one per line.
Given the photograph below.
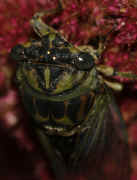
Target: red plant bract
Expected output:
[79,21]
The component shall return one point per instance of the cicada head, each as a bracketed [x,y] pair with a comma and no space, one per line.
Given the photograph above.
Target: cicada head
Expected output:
[52,65]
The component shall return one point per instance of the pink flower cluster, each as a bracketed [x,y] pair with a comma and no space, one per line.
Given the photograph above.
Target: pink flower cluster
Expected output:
[80,22]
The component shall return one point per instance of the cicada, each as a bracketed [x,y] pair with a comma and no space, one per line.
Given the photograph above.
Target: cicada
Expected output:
[69,98]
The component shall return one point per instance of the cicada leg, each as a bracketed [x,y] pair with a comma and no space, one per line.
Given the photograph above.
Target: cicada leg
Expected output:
[38,24]
[108,71]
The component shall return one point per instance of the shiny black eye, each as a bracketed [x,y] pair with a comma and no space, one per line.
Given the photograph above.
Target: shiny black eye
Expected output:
[17,52]
[84,61]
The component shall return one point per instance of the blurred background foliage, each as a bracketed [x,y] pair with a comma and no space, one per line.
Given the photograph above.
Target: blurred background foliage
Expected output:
[81,22]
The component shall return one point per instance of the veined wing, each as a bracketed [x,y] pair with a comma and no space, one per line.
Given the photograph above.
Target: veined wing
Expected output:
[105,140]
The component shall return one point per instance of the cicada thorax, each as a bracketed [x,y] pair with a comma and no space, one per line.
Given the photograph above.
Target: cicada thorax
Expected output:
[52,79]
[58,117]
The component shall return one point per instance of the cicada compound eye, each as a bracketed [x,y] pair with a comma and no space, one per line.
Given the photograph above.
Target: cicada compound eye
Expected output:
[17,52]
[84,61]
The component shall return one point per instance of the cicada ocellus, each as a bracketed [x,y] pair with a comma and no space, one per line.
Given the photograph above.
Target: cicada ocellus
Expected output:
[69,97]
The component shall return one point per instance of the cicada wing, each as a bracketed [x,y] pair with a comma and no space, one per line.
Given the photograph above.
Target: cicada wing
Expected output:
[56,161]
[104,141]
[95,132]
[117,120]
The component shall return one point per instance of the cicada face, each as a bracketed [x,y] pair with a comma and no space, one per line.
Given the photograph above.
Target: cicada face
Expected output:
[51,65]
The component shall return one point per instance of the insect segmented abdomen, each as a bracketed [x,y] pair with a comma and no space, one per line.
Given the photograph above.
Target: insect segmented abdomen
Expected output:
[62,115]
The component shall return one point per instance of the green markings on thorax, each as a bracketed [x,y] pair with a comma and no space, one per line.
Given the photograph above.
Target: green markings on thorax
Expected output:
[30,77]
[47,77]
[91,83]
